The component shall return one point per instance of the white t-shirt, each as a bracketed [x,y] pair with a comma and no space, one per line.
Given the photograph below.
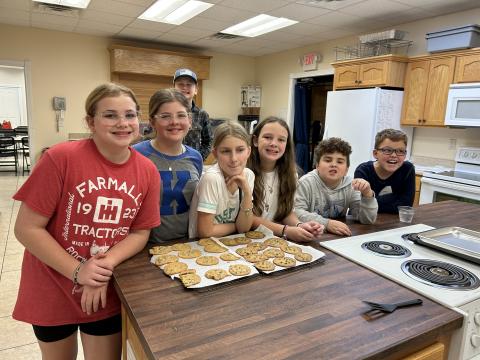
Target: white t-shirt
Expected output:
[212,196]
[270,194]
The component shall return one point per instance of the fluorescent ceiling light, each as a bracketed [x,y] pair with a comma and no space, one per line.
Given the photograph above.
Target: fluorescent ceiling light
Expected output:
[82,4]
[258,25]
[174,11]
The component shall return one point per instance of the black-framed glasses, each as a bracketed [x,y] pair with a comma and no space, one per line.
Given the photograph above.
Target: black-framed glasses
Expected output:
[167,117]
[114,117]
[390,151]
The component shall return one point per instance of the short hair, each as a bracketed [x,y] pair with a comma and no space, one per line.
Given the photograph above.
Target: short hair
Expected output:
[165,96]
[333,145]
[230,128]
[104,91]
[391,134]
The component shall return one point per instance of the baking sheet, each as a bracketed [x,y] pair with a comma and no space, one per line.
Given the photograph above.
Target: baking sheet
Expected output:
[454,238]
[201,270]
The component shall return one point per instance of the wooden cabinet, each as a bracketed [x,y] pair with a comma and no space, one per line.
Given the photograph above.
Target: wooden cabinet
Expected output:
[433,352]
[426,89]
[467,68]
[388,70]
[418,185]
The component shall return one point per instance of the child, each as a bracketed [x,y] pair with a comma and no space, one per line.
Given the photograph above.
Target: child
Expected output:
[273,195]
[179,165]
[200,135]
[391,177]
[222,203]
[326,193]
[97,201]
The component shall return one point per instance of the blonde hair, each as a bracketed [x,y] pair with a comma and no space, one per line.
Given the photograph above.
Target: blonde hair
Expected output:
[230,128]
[104,91]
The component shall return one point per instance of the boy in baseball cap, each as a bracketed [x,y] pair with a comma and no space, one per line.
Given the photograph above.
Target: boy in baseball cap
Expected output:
[200,135]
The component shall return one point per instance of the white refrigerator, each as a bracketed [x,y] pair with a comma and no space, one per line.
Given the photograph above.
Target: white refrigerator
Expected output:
[357,115]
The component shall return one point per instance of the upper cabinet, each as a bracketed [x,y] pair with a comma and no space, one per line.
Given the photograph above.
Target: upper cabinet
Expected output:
[387,70]
[426,90]
[427,82]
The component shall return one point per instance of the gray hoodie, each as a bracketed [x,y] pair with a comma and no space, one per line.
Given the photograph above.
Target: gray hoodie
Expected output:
[315,201]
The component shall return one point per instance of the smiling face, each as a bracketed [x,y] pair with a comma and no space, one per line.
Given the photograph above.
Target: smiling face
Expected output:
[171,122]
[332,167]
[115,123]
[386,165]
[186,86]
[271,144]
[232,154]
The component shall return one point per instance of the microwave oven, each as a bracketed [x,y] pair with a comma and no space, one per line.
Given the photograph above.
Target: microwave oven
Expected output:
[463,105]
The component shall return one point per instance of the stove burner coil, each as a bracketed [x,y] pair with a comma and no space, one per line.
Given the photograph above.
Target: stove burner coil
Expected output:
[386,249]
[441,274]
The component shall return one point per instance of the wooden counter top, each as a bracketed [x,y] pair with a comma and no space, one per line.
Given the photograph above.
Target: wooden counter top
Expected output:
[314,313]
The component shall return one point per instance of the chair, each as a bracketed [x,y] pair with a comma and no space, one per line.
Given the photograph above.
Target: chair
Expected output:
[7,132]
[21,130]
[25,149]
[8,153]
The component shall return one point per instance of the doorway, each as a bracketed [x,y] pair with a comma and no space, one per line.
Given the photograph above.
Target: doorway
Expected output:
[309,103]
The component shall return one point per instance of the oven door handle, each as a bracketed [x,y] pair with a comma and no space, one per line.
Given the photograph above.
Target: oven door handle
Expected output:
[446,184]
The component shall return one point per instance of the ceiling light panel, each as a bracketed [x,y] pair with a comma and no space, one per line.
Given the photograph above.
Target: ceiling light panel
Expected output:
[174,11]
[259,25]
[81,4]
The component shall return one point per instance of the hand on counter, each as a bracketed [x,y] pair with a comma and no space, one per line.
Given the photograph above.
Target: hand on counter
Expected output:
[338,227]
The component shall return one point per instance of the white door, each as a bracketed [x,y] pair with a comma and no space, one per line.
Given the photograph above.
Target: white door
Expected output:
[11,105]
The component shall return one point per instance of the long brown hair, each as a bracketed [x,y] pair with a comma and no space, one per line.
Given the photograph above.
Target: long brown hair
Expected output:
[286,170]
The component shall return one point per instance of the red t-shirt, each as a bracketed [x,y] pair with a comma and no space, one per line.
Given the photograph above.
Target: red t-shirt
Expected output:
[92,205]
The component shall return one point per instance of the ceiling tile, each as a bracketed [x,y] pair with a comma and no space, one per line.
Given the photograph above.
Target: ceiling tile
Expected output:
[307,29]
[150,25]
[298,12]
[98,25]
[172,38]
[97,15]
[374,8]
[14,14]
[192,32]
[331,5]
[37,18]
[227,14]
[117,7]
[15,4]
[137,33]
[207,24]
[58,27]
[255,5]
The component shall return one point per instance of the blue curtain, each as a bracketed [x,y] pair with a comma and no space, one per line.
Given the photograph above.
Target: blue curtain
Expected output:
[302,125]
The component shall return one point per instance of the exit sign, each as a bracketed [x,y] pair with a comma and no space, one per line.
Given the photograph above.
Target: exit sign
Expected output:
[310,61]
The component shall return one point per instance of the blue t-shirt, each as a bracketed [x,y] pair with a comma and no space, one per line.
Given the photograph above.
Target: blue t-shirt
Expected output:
[397,190]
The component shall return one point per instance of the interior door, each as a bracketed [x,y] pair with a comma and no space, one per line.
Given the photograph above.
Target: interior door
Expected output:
[10,105]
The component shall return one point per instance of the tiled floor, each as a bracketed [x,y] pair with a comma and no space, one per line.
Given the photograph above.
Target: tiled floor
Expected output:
[17,340]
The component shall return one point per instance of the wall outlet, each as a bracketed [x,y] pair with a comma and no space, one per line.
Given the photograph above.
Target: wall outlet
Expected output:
[452,144]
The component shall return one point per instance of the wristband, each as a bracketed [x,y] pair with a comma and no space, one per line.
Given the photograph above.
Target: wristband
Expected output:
[298,224]
[76,271]
[247,211]
[284,235]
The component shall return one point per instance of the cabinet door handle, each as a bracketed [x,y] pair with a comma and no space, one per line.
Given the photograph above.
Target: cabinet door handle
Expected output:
[419,121]
[359,81]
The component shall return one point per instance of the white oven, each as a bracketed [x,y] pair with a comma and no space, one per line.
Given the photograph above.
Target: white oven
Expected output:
[463,105]
[462,184]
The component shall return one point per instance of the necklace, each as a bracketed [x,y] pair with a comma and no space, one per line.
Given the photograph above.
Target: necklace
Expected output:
[164,157]
[269,190]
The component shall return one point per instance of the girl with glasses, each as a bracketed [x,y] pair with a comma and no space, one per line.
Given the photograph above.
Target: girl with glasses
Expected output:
[390,176]
[180,166]
[87,206]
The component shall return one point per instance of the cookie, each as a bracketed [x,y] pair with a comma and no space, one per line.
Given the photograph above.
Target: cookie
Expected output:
[274,253]
[242,240]
[190,279]
[303,257]
[246,251]
[276,242]
[239,269]
[216,274]
[255,257]
[188,271]
[206,241]
[229,257]
[255,234]
[160,250]
[284,262]
[174,268]
[207,260]
[257,245]
[264,265]
[189,254]
[228,241]
[292,249]
[181,247]
[214,248]
[165,259]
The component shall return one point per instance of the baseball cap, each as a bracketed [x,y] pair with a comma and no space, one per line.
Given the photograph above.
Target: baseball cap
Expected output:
[185,72]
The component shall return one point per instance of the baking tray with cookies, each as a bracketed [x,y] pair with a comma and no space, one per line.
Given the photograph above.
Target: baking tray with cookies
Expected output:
[211,262]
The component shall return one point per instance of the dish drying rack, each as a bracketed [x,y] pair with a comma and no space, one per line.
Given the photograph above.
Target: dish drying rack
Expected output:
[372,48]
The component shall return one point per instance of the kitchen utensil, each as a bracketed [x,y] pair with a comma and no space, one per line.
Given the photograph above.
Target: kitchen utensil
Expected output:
[392,307]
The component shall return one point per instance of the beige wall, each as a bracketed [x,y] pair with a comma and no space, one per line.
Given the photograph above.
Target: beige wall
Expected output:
[71,65]
[273,73]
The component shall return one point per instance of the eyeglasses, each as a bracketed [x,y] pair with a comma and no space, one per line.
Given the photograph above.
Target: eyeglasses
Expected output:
[167,117]
[390,151]
[114,117]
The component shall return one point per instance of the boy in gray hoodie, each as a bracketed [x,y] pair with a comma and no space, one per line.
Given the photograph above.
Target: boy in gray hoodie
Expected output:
[326,193]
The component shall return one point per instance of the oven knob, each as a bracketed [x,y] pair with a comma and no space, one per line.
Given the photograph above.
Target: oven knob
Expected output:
[476,318]
[475,340]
